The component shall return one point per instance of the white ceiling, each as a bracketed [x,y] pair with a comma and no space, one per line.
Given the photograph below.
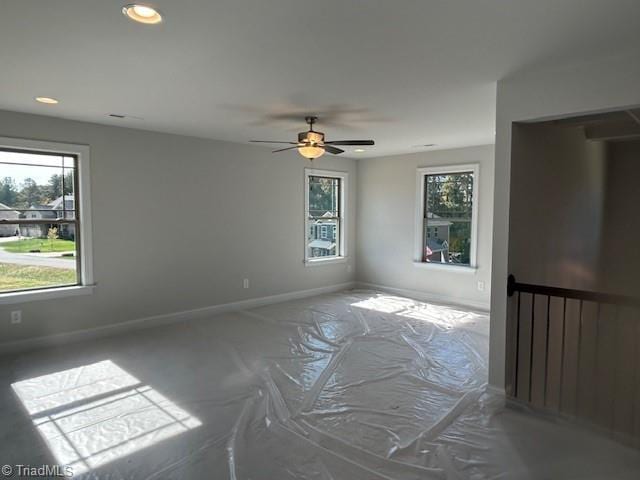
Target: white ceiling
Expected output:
[403,72]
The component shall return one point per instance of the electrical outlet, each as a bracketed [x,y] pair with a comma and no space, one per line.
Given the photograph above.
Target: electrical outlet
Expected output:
[481,286]
[245,283]
[16,317]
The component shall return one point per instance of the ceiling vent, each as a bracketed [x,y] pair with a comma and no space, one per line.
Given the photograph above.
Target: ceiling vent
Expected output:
[122,116]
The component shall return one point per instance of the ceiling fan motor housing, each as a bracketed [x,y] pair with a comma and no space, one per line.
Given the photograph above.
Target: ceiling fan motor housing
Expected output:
[312,138]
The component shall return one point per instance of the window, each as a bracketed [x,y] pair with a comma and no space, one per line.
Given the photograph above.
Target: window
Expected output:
[44,219]
[446,215]
[324,215]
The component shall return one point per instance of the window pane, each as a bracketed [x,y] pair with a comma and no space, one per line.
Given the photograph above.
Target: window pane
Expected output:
[44,259]
[322,238]
[324,197]
[36,189]
[447,222]
[36,159]
[27,187]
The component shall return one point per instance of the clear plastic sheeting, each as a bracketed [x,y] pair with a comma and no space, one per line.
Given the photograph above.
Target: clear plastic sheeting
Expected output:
[354,385]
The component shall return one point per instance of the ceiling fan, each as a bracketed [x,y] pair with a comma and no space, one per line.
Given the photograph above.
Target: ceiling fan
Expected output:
[311,144]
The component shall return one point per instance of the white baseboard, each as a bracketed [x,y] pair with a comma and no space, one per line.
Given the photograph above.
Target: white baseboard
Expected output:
[430,297]
[164,319]
[496,390]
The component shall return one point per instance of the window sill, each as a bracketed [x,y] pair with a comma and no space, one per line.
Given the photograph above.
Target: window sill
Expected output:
[45,294]
[443,267]
[316,262]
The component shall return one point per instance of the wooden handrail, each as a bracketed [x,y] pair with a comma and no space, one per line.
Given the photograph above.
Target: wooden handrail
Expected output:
[586,295]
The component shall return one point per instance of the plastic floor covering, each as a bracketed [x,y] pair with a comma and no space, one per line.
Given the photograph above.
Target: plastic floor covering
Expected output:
[353,385]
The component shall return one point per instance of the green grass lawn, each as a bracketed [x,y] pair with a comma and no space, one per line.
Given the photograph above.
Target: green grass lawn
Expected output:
[15,277]
[42,244]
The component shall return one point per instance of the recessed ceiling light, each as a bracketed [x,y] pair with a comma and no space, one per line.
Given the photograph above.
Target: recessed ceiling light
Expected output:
[359,150]
[47,100]
[141,13]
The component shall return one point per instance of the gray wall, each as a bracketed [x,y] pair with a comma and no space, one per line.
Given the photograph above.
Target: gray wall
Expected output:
[386,226]
[556,206]
[178,223]
[620,259]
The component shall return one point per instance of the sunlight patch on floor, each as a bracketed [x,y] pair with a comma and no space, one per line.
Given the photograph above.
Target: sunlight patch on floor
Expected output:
[96,413]
[440,315]
[384,304]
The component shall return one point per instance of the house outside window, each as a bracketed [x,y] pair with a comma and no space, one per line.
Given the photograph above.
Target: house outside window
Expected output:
[446,215]
[325,193]
[45,224]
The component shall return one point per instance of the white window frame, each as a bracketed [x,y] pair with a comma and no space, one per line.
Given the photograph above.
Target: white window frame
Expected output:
[86,282]
[421,173]
[342,227]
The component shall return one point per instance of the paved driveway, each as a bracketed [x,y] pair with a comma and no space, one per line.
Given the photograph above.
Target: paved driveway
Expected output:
[33,258]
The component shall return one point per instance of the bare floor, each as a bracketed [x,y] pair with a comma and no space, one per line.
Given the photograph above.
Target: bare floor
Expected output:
[355,385]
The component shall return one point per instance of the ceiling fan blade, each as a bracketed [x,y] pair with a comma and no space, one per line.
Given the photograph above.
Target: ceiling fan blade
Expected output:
[272,141]
[351,142]
[285,149]
[334,150]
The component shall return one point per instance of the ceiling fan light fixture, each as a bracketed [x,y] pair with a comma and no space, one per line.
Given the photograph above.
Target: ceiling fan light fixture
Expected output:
[311,144]
[142,13]
[311,151]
